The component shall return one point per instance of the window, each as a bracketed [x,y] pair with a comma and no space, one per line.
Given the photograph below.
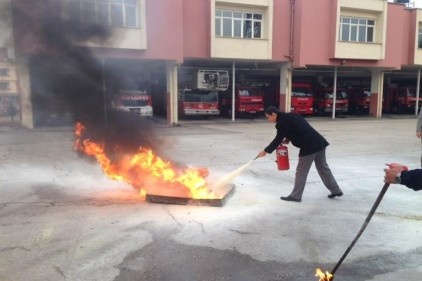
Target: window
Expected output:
[4,86]
[4,72]
[356,29]
[119,13]
[420,36]
[238,24]
[3,53]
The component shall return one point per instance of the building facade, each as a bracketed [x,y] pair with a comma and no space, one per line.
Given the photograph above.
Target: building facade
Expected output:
[72,55]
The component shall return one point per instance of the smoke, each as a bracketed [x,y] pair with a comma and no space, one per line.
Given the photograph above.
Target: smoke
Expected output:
[5,25]
[221,185]
[68,81]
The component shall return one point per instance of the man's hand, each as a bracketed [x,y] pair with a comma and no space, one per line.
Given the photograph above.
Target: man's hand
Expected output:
[419,135]
[392,171]
[285,141]
[262,153]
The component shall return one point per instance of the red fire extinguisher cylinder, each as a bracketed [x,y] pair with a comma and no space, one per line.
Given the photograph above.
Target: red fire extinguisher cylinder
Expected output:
[282,157]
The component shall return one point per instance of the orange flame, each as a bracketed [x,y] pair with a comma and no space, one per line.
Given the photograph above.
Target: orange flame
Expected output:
[323,276]
[146,171]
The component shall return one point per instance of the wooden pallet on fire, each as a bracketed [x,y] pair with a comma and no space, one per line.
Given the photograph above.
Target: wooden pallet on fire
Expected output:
[215,202]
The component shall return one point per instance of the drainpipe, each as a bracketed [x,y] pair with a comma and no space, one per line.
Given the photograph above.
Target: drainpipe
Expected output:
[417,91]
[292,28]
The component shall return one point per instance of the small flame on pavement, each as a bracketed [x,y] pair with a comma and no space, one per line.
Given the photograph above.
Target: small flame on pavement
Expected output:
[146,171]
[323,276]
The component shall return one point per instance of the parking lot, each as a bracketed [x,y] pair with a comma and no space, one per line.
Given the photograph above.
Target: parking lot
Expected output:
[63,219]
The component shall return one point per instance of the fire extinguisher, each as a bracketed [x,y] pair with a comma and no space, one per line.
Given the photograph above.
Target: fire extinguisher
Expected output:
[282,157]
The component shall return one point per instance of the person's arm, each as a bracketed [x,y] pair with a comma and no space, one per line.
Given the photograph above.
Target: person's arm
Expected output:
[419,126]
[273,145]
[412,179]
[398,174]
[276,142]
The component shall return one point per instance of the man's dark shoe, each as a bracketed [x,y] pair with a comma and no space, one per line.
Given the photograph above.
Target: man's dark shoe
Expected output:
[331,196]
[289,198]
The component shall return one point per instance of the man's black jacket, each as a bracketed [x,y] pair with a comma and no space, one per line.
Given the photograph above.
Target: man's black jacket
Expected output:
[412,179]
[296,129]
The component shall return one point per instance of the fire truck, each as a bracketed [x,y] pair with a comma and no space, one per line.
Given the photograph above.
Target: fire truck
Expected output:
[202,98]
[359,99]
[134,101]
[248,100]
[196,102]
[302,98]
[400,99]
[323,100]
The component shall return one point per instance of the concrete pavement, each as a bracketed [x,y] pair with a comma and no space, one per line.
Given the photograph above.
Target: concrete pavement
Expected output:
[63,219]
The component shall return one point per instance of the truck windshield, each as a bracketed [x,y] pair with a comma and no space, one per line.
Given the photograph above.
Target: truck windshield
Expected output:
[412,92]
[132,102]
[301,92]
[201,96]
[367,93]
[251,92]
[340,95]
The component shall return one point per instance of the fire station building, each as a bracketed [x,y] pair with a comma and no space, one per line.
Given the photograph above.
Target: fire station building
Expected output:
[162,43]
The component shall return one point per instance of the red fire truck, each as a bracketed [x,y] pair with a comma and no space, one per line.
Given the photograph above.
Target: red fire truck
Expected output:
[196,102]
[248,100]
[134,101]
[202,98]
[400,99]
[302,98]
[359,99]
[323,100]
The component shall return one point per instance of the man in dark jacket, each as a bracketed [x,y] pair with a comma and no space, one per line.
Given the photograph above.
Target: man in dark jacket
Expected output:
[294,128]
[397,173]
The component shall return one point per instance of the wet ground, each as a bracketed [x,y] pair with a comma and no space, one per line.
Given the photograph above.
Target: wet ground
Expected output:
[63,219]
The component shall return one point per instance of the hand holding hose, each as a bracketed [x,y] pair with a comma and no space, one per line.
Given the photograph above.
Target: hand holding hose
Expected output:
[260,154]
[393,170]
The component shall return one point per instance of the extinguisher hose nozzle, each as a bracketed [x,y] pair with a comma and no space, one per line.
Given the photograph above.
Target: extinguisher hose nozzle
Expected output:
[256,157]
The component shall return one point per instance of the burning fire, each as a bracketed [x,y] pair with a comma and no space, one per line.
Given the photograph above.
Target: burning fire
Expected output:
[146,171]
[324,276]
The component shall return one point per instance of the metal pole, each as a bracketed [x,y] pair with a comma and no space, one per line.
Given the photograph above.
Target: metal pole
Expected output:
[233,90]
[368,218]
[334,93]
[417,92]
